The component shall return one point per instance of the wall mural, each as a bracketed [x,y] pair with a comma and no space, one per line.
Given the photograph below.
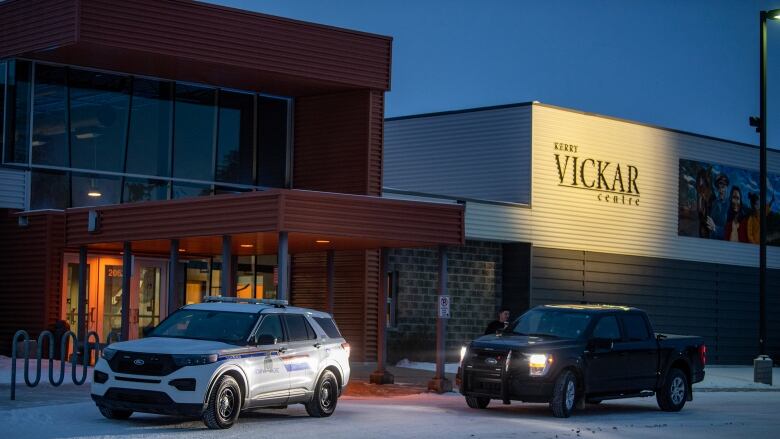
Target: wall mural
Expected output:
[722,202]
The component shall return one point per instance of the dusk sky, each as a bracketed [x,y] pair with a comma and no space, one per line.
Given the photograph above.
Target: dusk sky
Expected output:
[690,65]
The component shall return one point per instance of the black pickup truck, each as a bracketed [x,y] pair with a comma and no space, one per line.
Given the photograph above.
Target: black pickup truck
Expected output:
[569,355]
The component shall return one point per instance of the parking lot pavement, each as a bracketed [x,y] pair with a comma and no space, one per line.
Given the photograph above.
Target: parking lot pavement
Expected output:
[710,415]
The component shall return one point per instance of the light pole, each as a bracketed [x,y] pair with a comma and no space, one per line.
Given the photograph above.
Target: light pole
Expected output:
[760,125]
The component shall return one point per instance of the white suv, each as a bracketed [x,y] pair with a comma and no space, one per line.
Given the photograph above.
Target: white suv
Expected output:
[213,360]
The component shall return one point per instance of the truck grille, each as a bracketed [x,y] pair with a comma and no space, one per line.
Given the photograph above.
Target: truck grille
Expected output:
[138,363]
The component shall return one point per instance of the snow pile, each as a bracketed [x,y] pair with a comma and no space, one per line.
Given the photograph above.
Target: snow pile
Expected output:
[448,367]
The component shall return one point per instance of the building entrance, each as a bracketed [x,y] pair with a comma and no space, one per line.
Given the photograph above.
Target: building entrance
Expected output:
[148,294]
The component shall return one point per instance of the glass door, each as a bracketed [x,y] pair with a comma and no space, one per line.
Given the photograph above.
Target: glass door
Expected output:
[148,301]
[70,296]
[110,290]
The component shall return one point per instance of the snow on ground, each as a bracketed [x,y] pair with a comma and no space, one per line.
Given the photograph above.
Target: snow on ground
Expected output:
[715,377]
[5,371]
[710,415]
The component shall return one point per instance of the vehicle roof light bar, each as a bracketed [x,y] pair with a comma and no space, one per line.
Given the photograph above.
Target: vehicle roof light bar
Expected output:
[223,299]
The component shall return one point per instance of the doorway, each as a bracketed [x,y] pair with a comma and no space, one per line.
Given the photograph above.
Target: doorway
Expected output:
[148,294]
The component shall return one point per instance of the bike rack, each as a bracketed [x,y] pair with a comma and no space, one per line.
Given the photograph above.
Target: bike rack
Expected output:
[86,354]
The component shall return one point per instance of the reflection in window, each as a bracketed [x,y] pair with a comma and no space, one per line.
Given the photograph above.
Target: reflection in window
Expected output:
[50,116]
[2,105]
[197,281]
[144,189]
[18,117]
[99,105]
[193,136]
[95,190]
[272,141]
[149,141]
[235,143]
[49,190]
[188,190]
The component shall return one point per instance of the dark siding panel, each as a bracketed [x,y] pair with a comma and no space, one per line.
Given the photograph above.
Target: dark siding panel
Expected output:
[352,302]
[198,31]
[516,277]
[29,25]
[717,302]
[372,305]
[332,142]
[376,142]
[773,313]
[29,269]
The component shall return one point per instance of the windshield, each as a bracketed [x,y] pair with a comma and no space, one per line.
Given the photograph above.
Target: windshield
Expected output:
[224,326]
[555,323]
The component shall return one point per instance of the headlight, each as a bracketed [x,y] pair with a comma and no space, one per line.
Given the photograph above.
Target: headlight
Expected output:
[108,353]
[194,360]
[463,350]
[539,364]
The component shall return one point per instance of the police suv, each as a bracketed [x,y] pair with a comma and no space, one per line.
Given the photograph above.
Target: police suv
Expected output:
[215,359]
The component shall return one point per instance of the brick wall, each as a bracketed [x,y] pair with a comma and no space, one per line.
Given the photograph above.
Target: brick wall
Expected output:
[474,285]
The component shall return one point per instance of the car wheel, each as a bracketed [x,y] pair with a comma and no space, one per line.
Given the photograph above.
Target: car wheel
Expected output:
[673,393]
[477,402]
[224,404]
[326,395]
[564,395]
[114,413]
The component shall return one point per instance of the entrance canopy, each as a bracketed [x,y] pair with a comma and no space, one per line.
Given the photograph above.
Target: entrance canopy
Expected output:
[313,221]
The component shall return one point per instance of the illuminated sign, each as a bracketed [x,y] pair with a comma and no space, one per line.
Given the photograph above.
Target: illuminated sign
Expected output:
[612,182]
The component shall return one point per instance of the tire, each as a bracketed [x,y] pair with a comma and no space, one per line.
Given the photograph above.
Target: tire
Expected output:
[564,395]
[114,413]
[477,402]
[673,393]
[326,396]
[224,404]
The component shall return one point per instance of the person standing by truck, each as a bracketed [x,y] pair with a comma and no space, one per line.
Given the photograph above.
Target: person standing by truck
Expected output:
[500,324]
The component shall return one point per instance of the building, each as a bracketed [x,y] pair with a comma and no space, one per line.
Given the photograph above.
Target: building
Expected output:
[155,152]
[567,206]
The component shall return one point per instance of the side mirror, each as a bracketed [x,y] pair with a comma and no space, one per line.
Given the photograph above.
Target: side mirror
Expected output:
[147,330]
[265,339]
[601,344]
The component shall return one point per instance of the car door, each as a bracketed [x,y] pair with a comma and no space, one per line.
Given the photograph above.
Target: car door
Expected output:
[269,379]
[605,364]
[302,356]
[641,352]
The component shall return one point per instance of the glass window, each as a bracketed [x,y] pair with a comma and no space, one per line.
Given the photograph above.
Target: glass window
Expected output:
[197,281]
[188,190]
[553,323]
[193,134]
[2,106]
[235,142]
[266,282]
[18,113]
[50,116]
[272,131]
[271,325]
[99,107]
[49,190]
[224,326]
[296,327]
[245,277]
[329,326]
[95,190]
[148,144]
[143,189]
[607,327]
[635,327]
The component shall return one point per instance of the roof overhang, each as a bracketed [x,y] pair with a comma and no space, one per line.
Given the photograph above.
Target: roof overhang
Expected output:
[198,42]
[253,220]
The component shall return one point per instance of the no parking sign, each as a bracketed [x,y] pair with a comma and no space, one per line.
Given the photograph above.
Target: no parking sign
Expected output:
[444,307]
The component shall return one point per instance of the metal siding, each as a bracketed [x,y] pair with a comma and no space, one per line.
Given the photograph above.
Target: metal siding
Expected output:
[309,281]
[480,154]
[573,219]
[496,222]
[332,142]
[371,297]
[375,142]
[29,25]
[12,188]
[30,274]
[717,302]
[239,38]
